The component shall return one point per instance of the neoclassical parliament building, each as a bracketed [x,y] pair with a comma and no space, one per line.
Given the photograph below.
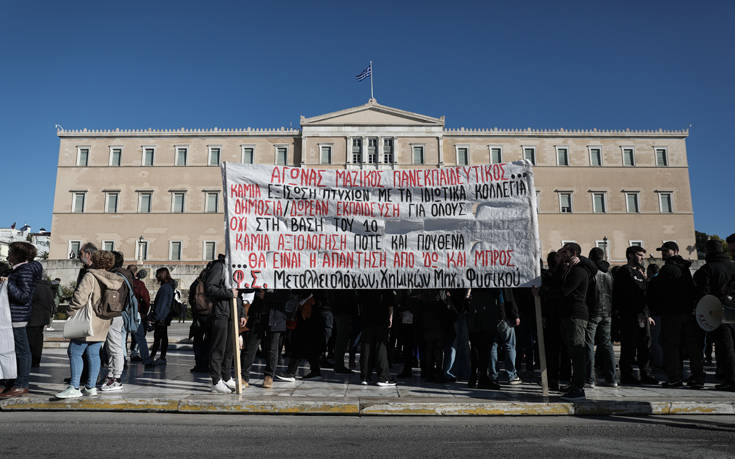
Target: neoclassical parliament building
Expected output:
[156,195]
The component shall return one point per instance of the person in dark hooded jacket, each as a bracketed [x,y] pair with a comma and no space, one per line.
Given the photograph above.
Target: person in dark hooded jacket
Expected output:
[21,282]
[576,275]
[717,277]
[41,309]
[671,294]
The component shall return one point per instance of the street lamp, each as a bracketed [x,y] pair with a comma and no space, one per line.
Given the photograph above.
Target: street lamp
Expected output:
[604,243]
[140,248]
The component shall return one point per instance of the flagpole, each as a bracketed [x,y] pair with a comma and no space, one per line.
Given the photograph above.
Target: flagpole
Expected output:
[371,80]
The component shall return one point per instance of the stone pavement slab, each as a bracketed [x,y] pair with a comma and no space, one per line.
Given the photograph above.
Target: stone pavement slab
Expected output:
[173,388]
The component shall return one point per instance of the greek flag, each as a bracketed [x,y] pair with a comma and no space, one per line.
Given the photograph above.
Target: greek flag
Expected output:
[365,73]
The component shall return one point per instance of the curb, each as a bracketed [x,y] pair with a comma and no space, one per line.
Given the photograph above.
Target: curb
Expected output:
[357,407]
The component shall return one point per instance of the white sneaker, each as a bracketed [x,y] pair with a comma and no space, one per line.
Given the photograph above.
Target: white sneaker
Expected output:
[69,392]
[89,392]
[231,384]
[221,388]
[114,386]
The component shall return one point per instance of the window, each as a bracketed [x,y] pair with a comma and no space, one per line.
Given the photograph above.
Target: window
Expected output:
[631,203]
[598,203]
[529,154]
[356,151]
[496,155]
[148,154]
[463,157]
[141,250]
[565,203]
[325,154]
[418,154]
[248,155]
[664,200]
[177,203]
[181,154]
[82,156]
[281,156]
[628,157]
[144,202]
[115,156]
[209,249]
[662,157]
[174,251]
[211,202]
[74,247]
[111,202]
[595,156]
[214,156]
[605,246]
[562,156]
[108,245]
[636,243]
[388,151]
[77,203]
[372,150]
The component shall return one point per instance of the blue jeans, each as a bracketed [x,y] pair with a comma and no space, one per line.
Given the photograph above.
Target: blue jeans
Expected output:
[76,349]
[507,342]
[141,343]
[598,331]
[22,357]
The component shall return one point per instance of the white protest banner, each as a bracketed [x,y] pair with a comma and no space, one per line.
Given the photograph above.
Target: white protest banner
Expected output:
[454,227]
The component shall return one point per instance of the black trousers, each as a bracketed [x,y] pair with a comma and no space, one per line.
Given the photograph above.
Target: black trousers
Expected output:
[554,348]
[635,342]
[201,336]
[342,340]
[35,339]
[374,345]
[432,357]
[725,342]
[160,340]
[222,350]
[480,343]
[252,340]
[681,331]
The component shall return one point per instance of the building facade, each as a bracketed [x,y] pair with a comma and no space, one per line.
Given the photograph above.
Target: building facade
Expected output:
[156,195]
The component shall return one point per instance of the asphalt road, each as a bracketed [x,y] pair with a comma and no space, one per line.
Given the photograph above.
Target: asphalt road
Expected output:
[67,434]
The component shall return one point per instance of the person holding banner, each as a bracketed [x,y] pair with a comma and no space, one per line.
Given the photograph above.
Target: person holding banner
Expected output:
[266,323]
[223,340]
[717,277]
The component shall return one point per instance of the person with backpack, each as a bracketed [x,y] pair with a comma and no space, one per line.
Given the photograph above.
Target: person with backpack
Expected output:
[717,277]
[95,282]
[139,345]
[42,308]
[201,309]
[671,295]
[223,339]
[160,317]
[21,280]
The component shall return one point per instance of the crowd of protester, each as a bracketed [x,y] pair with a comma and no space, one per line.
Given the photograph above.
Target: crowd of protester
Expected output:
[486,337]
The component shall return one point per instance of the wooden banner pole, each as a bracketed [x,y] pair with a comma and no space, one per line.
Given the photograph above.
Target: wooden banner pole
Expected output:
[236,331]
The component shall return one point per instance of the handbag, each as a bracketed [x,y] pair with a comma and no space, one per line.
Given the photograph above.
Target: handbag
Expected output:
[80,324]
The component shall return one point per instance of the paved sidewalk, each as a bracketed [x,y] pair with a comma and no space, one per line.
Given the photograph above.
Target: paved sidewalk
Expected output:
[172,388]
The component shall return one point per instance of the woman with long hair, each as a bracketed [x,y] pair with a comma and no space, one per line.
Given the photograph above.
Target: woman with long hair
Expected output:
[90,289]
[161,316]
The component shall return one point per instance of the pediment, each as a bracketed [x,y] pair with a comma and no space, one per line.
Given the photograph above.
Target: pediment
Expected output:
[372,114]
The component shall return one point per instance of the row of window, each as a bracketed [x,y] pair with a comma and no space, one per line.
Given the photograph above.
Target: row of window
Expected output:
[181,155]
[145,198]
[142,247]
[372,154]
[599,202]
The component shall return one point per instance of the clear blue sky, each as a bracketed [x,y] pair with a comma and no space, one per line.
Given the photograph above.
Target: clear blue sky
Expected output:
[151,64]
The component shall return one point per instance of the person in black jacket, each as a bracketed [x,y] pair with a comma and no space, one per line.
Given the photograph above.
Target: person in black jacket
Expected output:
[576,274]
[42,307]
[629,299]
[550,293]
[717,277]
[266,323]
[671,294]
[222,347]
[376,319]
[485,310]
